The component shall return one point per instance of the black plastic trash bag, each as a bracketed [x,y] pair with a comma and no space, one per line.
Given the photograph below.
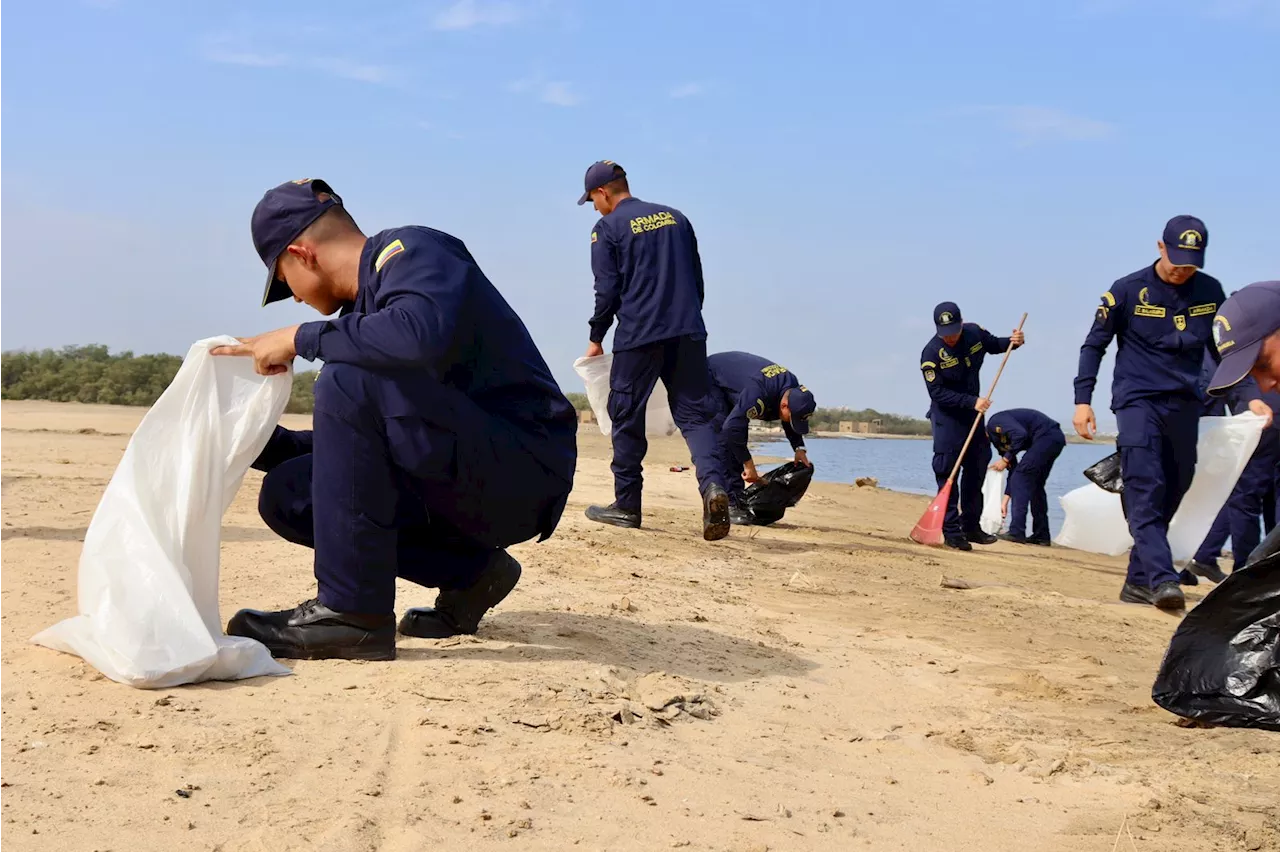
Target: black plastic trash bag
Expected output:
[1106,474]
[1223,663]
[777,491]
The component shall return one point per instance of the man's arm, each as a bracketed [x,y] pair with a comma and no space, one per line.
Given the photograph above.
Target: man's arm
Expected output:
[734,431]
[697,267]
[1106,320]
[944,397]
[604,266]
[418,305]
[993,344]
[284,444]
[796,441]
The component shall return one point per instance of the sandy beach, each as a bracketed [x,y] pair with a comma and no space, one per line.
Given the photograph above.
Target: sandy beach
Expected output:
[806,686]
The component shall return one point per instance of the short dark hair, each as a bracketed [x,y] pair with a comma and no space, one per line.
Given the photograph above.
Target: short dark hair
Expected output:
[336,220]
[619,182]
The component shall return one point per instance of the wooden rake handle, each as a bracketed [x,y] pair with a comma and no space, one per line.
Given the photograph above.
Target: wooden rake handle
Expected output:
[972,429]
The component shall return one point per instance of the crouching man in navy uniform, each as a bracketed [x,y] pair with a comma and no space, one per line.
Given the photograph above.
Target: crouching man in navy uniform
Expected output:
[1163,317]
[1040,440]
[648,275]
[951,362]
[755,388]
[440,437]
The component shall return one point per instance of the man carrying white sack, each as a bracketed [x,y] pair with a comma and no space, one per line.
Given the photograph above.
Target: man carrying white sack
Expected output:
[440,437]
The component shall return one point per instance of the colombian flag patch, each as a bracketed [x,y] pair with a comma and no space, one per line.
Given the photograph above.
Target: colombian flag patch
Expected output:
[387,253]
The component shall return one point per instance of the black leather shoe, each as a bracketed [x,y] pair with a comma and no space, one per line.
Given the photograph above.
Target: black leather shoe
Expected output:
[1014,538]
[981,537]
[715,513]
[959,543]
[1041,542]
[1186,578]
[312,631]
[460,610]
[739,516]
[1167,595]
[614,516]
[1209,571]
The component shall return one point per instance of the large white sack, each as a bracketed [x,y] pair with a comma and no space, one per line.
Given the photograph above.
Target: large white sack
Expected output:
[595,375]
[148,582]
[992,498]
[1095,521]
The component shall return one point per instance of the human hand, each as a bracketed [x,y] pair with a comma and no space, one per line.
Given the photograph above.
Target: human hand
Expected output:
[1261,409]
[272,353]
[982,404]
[802,457]
[1004,506]
[749,472]
[1017,339]
[594,350]
[1084,421]
[1002,463]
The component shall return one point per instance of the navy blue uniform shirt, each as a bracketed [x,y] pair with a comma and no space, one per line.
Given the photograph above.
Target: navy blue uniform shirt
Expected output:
[1014,430]
[1163,333]
[752,388]
[951,376]
[648,275]
[425,309]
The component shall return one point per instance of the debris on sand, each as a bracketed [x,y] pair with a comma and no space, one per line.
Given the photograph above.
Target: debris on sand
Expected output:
[867,482]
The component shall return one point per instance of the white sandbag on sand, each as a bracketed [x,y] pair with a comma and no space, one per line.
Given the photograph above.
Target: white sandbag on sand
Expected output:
[1095,521]
[595,375]
[992,498]
[148,581]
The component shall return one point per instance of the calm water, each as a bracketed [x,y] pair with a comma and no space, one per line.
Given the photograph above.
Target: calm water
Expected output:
[907,465]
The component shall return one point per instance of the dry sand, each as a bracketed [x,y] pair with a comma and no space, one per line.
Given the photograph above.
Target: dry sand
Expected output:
[834,696]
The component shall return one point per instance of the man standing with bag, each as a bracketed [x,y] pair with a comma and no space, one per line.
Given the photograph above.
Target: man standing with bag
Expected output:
[648,276]
[951,363]
[440,437]
[1163,317]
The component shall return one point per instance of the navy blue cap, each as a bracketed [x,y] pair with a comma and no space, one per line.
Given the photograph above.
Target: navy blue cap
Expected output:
[281,215]
[946,317]
[1185,241]
[1243,323]
[800,401]
[598,174]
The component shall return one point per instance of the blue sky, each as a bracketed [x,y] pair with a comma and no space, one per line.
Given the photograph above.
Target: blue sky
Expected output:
[846,165]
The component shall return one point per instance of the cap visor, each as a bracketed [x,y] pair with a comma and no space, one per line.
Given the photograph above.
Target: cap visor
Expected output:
[948,330]
[276,290]
[1234,368]
[1182,257]
[585,196]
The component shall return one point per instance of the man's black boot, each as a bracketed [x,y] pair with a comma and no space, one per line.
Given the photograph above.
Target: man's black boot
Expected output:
[980,537]
[1014,538]
[312,631]
[715,513]
[614,516]
[958,542]
[460,610]
[1209,570]
[1167,595]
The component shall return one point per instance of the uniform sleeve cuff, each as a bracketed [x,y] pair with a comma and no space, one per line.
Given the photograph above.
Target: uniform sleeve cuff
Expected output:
[306,340]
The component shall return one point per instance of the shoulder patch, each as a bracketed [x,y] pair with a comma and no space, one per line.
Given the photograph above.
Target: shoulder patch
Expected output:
[930,375]
[754,412]
[593,236]
[1109,299]
[387,253]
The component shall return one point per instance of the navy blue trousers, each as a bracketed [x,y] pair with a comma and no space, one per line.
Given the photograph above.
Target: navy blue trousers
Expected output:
[1157,444]
[681,363]
[402,477]
[964,509]
[1241,514]
[1026,486]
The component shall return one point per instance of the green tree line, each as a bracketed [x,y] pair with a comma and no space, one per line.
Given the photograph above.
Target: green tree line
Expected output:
[91,374]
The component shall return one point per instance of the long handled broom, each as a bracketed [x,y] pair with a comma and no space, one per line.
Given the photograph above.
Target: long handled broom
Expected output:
[928,529]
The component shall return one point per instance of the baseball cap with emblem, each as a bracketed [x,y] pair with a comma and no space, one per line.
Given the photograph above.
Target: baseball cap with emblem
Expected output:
[283,213]
[1243,323]
[598,174]
[946,317]
[800,401]
[1185,241]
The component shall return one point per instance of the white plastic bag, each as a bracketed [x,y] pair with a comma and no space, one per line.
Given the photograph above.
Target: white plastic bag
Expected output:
[595,375]
[148,581]
[992,499]
[1095,520]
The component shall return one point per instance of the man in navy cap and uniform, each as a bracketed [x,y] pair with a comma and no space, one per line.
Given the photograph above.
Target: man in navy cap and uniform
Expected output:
[1246,333]
[1040,440]
[440,437]
[1163,317]
[755,388]
[951,362]
[648,276]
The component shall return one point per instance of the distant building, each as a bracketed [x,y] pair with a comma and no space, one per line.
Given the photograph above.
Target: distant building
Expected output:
[847,426]
[869,428]
[586,416]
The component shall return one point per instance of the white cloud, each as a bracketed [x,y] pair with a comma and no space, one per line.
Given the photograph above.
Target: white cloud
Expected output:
[554,92]
[1035,124]
[228,50]
[247,58]
[358,71]
[468,14]
[688,90]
